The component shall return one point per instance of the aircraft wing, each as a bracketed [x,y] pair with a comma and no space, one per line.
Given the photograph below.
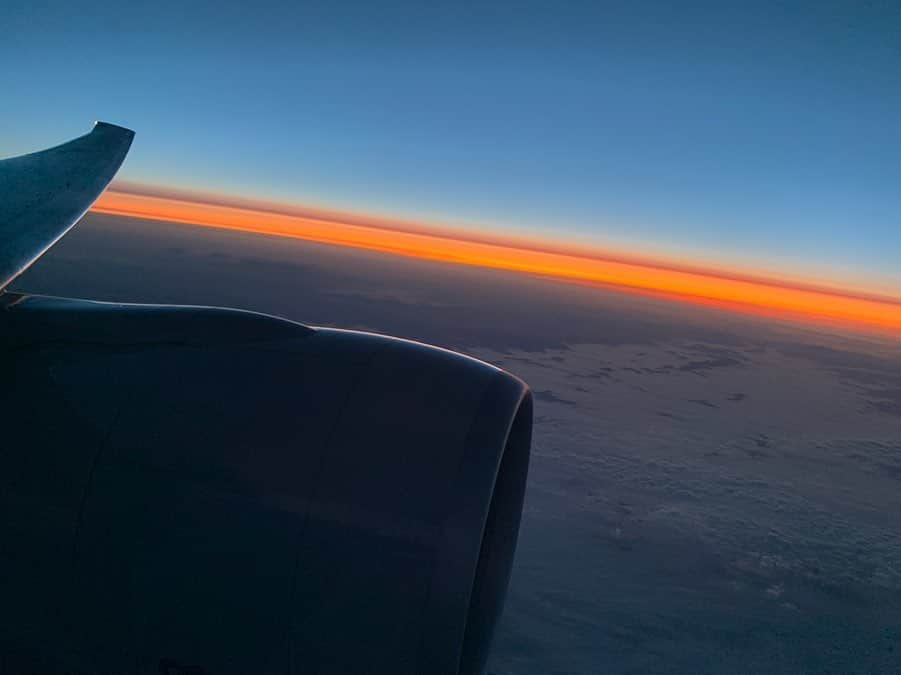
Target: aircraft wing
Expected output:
[196,490]
[43,194]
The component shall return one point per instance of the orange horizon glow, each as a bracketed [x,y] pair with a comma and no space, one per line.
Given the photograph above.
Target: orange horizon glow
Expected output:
[770,298]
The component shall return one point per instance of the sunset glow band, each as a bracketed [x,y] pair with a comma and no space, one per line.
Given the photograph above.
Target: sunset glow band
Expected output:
[758,297]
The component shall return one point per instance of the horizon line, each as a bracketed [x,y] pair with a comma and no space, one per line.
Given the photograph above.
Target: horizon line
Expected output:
[736,291]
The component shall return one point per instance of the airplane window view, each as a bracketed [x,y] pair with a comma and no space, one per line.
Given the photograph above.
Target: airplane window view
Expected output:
[466,338]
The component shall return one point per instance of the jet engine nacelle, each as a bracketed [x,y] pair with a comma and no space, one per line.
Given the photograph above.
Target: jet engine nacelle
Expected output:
[196,490]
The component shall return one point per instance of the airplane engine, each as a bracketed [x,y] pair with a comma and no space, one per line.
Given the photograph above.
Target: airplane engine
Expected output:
[208,491]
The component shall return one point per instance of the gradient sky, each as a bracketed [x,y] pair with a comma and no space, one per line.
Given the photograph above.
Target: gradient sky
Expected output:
[755,136]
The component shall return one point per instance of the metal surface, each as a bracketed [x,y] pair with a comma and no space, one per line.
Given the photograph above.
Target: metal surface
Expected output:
[194,490]
[42,195]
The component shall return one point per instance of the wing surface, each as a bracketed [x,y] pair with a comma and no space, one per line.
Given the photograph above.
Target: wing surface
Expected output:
[43,194]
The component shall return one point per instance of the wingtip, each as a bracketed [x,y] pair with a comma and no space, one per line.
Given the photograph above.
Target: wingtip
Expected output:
[100,125]
[46,192]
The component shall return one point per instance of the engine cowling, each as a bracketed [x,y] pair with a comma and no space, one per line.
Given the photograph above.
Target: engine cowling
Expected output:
[197,490]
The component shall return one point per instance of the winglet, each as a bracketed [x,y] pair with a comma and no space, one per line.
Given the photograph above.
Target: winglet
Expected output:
[43,194]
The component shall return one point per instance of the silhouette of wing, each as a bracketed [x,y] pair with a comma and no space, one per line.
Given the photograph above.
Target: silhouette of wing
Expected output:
[42,195]
[196,490]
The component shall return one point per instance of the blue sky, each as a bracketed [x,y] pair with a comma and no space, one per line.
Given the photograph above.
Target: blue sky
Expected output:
[756,135]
